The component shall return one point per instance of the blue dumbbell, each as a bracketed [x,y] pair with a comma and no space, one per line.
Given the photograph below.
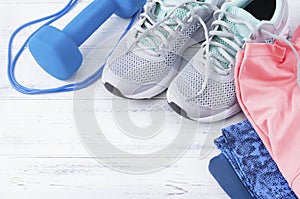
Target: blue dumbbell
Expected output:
[57,51]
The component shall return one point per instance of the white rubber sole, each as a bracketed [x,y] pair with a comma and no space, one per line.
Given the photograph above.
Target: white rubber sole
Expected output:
[233,110]
[157,89]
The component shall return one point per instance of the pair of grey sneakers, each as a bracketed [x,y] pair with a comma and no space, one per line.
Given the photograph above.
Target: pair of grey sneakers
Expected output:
[147,61]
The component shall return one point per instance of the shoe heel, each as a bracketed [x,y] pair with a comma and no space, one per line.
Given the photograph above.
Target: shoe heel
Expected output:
[285,33]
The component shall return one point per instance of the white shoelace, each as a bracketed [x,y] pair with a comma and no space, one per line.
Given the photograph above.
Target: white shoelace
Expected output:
[224,32]
[147,18]
[166,24]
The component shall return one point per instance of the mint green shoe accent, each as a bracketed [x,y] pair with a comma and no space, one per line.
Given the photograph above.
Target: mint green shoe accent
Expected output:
[239,30]
[161,13]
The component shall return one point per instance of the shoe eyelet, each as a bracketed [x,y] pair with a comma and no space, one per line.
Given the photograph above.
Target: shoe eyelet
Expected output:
[190,19]
[252,37]
[179,28]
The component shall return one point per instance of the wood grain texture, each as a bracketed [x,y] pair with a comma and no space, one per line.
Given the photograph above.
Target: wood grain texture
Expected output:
[41,153]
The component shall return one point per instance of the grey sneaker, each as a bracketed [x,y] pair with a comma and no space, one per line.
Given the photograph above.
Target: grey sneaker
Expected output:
[148,58]
[204,90]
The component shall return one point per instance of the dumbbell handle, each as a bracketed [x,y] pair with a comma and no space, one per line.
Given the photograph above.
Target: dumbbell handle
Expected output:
[89,20]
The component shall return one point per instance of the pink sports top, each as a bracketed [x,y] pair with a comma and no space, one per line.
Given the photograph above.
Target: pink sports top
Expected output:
[267,90]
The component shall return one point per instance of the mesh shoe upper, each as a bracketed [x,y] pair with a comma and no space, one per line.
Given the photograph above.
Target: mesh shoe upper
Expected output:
[205,88]
[146,58]
[134,68]
[217,95]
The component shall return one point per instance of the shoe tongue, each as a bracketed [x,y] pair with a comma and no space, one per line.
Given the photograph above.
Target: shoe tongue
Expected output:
[173,2]
[161,11]
[241,29]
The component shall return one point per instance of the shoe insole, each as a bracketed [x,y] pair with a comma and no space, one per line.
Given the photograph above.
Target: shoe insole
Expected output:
[262,10]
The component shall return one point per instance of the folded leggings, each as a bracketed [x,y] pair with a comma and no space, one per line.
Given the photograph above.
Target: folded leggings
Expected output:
[252,162]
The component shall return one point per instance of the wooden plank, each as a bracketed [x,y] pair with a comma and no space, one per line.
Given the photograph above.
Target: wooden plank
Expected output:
[47,128]
[85,178]
[41,151]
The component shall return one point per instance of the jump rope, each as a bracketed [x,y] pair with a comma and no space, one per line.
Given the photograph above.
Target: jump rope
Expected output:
[12,60]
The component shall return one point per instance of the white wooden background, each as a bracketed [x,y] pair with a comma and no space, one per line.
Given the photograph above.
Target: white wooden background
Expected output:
[41,155]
